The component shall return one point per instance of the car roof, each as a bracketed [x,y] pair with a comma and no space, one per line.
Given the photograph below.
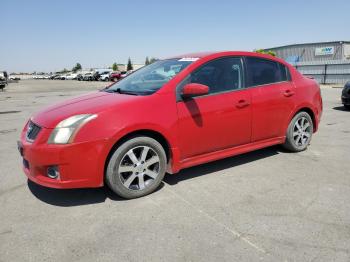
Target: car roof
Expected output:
[227,53]
[193,55]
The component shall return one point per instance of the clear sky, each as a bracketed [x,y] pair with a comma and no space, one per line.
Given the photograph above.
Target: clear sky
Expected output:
[52,35]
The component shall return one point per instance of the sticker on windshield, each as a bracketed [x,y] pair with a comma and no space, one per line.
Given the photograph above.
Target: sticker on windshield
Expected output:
[189,59]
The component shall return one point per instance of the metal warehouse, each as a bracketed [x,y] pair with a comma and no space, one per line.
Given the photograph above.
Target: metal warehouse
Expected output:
[327,62]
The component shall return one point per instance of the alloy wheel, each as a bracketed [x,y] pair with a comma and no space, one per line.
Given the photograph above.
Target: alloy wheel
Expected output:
[139,168]
[302,132]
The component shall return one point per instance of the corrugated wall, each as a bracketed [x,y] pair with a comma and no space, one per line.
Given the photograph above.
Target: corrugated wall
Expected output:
[330,72]
[325,68]
[307,52]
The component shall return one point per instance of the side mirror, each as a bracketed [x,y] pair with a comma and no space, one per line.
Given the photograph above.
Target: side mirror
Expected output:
[194,89]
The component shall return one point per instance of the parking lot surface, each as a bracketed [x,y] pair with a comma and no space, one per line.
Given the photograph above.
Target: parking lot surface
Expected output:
[267,205]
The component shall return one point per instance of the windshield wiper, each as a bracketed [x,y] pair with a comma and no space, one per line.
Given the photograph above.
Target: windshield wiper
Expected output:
[127,92]
[111,90]
[118,90]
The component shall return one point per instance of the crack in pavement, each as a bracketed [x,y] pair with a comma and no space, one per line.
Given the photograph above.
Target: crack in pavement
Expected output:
[3,192]
[9,112]
[233,232]
[5,131]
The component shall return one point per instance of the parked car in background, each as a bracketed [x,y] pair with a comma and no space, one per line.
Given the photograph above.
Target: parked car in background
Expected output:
[123,74]
[115,76]
[38,76]
[14,77]
[201,107]
[345,96]
[57,77]
[105,76]
[98,72]
[3,79]
[96,76]
[88,77]
[53,76]
[62,77]
[71,76]
[79,77]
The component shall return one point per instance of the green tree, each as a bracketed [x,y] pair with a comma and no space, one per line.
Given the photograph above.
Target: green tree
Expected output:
[152,60]
[76,67]
[147,61]
[114,67]
[129,66]
[268,52]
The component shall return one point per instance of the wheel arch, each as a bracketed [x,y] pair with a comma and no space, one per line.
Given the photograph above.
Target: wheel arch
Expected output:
[159,137]
[308,110]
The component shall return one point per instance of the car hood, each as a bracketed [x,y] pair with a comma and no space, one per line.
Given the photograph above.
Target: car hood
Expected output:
[92,103]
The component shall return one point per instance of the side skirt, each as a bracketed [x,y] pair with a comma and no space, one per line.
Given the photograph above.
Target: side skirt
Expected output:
[233,151]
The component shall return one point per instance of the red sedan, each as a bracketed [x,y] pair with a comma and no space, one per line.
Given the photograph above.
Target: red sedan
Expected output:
[115,76]
[170,115]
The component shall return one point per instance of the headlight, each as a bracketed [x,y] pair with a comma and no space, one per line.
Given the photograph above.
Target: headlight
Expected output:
[66,129]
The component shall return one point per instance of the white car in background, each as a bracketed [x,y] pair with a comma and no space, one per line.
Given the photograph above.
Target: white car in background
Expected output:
[105,76]
[71,76]
[14,77]
[38,77]
[88,77]
[3,80]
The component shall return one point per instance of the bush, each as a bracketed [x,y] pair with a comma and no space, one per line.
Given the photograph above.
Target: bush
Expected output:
[268,52]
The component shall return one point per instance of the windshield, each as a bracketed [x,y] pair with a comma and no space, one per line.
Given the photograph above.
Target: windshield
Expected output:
[151,78]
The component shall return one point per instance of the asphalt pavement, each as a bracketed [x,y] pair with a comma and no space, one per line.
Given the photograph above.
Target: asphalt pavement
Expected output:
[267,205]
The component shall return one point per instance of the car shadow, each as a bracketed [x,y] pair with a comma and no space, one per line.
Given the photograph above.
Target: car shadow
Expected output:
[204,169]
[88,196]
[74,197]
[341,108]
[71,197]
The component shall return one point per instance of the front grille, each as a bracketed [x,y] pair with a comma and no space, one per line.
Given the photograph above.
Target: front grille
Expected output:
[32,131]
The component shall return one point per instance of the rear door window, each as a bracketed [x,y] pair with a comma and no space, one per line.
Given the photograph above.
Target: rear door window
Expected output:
[262,71]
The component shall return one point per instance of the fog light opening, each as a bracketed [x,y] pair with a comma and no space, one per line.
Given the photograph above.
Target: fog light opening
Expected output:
[52,172]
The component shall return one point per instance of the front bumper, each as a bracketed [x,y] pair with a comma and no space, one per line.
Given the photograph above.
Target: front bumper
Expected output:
[79,164]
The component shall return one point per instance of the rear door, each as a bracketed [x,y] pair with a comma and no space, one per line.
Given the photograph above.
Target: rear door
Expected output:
[221,119]
[272,97]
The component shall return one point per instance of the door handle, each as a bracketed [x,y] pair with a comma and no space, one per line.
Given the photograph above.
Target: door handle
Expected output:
[288,93]
[242,103]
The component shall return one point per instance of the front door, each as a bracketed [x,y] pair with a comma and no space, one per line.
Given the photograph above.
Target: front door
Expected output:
[221,119]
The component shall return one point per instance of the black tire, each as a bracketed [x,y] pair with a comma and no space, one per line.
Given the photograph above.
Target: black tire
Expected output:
[114,178]
[291,144]
[347,107]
